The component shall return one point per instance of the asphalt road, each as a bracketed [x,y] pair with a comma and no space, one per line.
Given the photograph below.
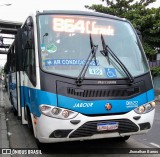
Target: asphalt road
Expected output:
[21,137]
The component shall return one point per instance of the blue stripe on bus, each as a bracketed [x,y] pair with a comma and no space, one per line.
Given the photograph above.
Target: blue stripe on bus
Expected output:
[150,95]
[35,97]
[98,106]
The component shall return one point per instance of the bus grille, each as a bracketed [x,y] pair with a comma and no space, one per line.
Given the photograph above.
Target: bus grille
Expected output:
[90,128]
[103,92]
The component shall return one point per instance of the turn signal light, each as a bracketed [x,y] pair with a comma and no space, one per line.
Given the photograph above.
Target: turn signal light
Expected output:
[141,109]
[65,114]
[34,120]
[153,103]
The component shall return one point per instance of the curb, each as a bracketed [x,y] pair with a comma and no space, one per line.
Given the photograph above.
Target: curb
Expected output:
[4,140]
[4,136]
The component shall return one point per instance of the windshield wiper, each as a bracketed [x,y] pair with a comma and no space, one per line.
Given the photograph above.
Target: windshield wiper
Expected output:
[106,50]
[91,55]
[94,47]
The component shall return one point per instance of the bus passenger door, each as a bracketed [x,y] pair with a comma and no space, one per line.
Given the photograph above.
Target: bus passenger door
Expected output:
[29,68]
[13,80]
[19,74]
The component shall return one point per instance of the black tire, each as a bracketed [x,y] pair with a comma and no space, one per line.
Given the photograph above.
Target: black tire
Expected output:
[11,99]
[30,125]
[41,146]
[122,139]
[15,112]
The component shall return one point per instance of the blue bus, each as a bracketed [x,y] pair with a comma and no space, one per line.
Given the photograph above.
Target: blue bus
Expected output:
[78,75]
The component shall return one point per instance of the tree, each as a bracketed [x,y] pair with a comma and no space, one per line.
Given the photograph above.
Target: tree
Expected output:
[143,18]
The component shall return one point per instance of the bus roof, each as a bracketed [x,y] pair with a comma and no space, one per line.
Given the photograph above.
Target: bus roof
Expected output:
[75,12]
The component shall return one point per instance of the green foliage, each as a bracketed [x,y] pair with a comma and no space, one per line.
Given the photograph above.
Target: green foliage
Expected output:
[155,71]
[148,49]
[146,20]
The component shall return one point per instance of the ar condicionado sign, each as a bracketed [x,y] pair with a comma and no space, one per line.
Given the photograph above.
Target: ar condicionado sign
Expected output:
[72,25]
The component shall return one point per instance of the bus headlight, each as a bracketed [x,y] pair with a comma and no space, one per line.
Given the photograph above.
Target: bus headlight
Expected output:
[57,112]
[145,108]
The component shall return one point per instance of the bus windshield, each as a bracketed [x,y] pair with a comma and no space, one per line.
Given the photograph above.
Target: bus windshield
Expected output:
[65,45]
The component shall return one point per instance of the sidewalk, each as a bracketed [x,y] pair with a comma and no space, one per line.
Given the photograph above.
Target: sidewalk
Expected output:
[4,142]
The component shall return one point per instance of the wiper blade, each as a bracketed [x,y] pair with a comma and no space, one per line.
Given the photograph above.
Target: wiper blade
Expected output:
[106,50]
[90,57]
[94,47]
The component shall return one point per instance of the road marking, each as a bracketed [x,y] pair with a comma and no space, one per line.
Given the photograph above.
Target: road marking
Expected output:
[156,145]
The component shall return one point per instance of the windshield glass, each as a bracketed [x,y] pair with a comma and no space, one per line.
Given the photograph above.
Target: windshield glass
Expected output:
[65,45]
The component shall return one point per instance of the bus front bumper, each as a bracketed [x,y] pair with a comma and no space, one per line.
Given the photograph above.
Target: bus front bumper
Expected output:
[50,130]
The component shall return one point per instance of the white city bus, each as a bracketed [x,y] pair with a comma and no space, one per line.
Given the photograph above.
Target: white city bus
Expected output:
[80,75]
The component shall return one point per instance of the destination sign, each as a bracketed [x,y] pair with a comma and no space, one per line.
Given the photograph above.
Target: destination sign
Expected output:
[79,25]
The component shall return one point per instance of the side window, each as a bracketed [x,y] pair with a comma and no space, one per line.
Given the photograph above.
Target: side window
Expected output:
[29,50]
[12,59]
[26,61]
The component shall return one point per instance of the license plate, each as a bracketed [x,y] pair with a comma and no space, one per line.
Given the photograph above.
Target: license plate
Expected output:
[107,126]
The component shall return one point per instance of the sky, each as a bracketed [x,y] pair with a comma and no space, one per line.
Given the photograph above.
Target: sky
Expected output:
[19,9]
[23,7]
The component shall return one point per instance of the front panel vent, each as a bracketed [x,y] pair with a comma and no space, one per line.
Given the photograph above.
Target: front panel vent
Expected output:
[103,92]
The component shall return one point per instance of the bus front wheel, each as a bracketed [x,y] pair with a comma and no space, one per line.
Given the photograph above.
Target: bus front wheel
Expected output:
[122,139]
[41,146]
[30,125]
